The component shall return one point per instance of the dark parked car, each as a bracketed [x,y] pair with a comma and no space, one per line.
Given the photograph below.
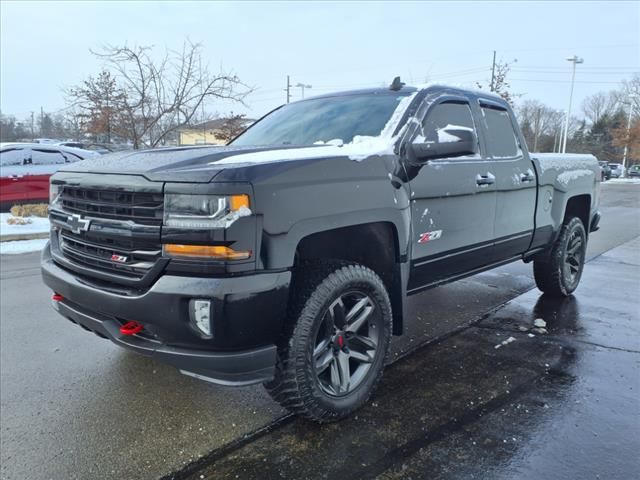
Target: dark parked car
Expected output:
[287,257]
[606,170]
[634,171]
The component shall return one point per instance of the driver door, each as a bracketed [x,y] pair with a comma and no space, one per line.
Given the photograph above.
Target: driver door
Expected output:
[454,205]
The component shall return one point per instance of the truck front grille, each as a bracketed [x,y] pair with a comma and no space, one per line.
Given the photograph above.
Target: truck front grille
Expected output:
[108,234]
[141,207]
[103,255]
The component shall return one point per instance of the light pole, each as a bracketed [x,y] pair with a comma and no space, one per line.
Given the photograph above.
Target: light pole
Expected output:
[575,60]
[626,144]
[302,86]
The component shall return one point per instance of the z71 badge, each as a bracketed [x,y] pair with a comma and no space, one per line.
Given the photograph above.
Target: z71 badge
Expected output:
[428,236]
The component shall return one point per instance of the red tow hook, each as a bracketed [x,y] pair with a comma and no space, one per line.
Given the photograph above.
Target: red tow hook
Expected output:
[131,328]
[56,297]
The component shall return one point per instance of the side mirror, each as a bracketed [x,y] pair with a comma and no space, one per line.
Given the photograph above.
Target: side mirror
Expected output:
[452,141]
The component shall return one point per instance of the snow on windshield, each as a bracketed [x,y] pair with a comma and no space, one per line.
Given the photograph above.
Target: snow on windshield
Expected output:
[359,148]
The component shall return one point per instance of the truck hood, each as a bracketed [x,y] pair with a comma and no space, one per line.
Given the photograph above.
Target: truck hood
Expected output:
[202,164]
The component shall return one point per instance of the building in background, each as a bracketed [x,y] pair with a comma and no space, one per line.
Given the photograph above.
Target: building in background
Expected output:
[214,132]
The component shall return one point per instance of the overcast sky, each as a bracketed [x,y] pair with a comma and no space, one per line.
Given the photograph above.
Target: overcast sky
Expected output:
[330,45]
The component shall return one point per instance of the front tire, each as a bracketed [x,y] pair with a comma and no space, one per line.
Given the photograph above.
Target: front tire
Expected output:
[341,327]
[558,272]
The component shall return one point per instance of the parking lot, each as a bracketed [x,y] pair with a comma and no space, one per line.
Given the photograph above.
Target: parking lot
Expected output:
[557,405]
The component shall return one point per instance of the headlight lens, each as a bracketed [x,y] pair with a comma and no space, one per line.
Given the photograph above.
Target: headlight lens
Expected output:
[204,211]
[54,193]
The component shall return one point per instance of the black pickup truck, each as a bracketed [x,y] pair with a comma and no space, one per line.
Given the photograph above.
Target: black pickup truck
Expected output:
[286,257]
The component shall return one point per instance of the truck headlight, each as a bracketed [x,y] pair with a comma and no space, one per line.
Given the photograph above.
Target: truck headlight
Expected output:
[204,211]
[54,193]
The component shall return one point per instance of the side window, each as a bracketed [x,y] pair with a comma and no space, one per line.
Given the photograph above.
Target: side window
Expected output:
[46,157]
[501,138]
[71,157]
[12,157]
[444,115]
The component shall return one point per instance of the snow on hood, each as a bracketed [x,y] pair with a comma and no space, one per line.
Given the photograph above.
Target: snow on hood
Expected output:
[358,149]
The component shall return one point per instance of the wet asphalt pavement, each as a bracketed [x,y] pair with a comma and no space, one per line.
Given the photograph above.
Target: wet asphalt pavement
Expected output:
[559,405]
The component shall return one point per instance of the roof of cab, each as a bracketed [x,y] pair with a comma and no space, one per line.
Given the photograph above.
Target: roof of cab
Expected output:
[408,89]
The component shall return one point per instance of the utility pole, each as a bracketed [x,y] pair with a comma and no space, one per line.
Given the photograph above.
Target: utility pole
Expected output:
[493,71]
[302,86]
[32,131]
[288,89]
[574,60]
[626,145]
[561,135]
[41,119]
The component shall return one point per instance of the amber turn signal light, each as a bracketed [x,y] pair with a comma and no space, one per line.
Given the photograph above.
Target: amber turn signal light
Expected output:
[239,201]
[205,251]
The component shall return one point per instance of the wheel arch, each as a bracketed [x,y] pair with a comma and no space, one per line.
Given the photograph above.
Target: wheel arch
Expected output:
[375,245]
[578,206]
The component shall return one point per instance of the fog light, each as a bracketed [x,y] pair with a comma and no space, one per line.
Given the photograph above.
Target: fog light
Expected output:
[200,312]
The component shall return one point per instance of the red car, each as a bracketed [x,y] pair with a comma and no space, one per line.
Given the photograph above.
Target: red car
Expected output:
[25,169]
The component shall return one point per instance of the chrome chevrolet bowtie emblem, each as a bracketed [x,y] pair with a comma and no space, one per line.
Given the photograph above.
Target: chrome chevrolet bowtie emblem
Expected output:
[78,224]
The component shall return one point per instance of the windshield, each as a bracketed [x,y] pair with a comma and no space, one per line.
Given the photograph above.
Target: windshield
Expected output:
[336,119]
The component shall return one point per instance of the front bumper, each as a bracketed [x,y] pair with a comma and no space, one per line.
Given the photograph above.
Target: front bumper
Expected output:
[248,314]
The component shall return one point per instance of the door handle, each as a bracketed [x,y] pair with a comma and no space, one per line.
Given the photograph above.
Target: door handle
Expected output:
[487,179]
[527,177]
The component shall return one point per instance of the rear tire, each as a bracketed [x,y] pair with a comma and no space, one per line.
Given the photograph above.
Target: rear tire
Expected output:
[331,362]
[558,272]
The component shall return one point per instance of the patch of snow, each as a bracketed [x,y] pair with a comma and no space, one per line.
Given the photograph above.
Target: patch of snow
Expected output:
[505,342]
[335,141]
[563,161]
[627,181]
[540,323]
[35,225]
[22,246]
[566,177]
[515,179]
[391,125]
[446,137]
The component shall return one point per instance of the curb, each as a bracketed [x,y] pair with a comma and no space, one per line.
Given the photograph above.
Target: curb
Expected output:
[23,236]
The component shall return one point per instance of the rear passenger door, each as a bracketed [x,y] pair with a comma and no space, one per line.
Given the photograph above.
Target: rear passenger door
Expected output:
[453,207]
[516,185]
[44,163]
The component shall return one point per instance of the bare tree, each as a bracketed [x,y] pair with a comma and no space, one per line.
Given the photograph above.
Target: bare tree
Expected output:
[76,123]
[156,95]
[630,91]
[597,105]
[540,125]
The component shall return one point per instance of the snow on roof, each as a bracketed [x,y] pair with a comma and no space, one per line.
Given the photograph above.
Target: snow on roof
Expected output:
[50,146]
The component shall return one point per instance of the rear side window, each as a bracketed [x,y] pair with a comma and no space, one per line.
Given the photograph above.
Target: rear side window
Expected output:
[501,138]
[446,114]
[15,156]
[46,157]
